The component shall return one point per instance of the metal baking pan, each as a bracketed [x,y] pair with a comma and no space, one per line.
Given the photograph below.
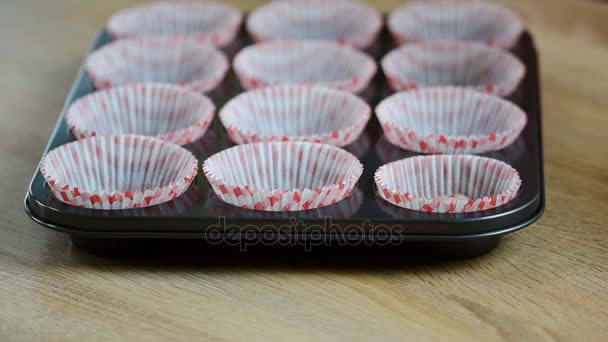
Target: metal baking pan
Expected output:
[363,218]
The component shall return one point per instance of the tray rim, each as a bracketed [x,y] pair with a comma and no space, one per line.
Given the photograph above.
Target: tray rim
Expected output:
[194,235]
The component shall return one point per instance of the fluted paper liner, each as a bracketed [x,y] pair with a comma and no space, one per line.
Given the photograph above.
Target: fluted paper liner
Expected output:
[344,22]
[282,176]
[197,66]
[450,120]
[447,183]
[118,172]
[295,113]
[169,112]
[306,63]
[451,63]
[203,21]
[345,208]
[465,20]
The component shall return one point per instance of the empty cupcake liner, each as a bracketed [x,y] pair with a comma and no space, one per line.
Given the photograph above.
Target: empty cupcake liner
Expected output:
[295,113]
[171,208]
[169,112]
[118,172]
[450,120]
[202,21]
[306,63]
[344,22]
[197,66]
[465,20]
[447,183]
[407,214]
[282,176]
[345,208]
[451,63]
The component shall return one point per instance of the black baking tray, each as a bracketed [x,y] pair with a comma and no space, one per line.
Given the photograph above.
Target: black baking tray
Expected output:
[362,219]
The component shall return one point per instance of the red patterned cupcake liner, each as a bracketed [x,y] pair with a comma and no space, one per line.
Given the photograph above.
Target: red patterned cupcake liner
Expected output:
[169,112]
[465,20]
[202,21]
[282,176]
[295,113]
[305,63]
[344,22]
[450,120]
[171,208]
[345,208]
[447,183]
[452,63]
[197,66]
[118,172]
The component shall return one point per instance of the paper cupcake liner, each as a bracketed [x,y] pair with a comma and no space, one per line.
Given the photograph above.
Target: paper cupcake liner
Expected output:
[450,120]
[407,214]
[447,183]
[171,208]
[197,66]
[305,63]
[451,63]
[343,22]
[295,113]
[465,20]
[202,21]
[390,153]
[169,112]
[282,176]
[345,208]
[118,172]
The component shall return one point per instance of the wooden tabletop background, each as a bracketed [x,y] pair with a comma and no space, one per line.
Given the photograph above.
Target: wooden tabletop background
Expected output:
[548,281]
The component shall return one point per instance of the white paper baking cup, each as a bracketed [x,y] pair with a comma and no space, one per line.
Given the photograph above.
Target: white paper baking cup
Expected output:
[345,208]
[451,63]
[198,66]
[168,112]
[306,63]
[295,113]
[118,172]
[203,21]
[467,20]
[447,183]
[171,208]
[344,22]
[450,120]
[282,176]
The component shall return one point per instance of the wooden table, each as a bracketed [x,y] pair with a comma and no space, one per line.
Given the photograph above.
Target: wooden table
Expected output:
[549,281]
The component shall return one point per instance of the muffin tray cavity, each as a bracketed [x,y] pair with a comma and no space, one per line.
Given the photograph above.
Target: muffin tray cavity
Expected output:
[363,217]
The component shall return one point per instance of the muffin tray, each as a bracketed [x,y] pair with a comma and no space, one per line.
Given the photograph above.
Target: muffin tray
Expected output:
[362,219]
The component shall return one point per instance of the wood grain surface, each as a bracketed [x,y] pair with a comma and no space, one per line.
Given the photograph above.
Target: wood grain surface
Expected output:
[547,282]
